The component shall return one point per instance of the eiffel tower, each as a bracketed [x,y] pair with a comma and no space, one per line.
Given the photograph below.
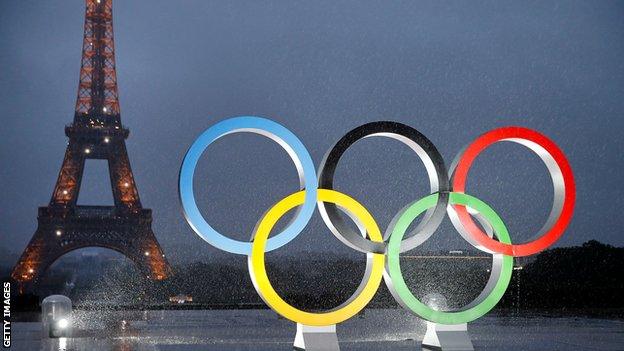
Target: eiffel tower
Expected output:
[96,133]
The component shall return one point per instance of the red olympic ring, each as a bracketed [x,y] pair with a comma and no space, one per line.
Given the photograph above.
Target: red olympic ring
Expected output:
[531,139]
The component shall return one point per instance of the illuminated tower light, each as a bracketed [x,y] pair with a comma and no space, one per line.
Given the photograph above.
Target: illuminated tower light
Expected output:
[147,253]
[87,151]
[106,139]
[59,232]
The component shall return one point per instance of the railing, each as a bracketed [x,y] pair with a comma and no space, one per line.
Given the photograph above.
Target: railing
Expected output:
[95,131]
[94,211]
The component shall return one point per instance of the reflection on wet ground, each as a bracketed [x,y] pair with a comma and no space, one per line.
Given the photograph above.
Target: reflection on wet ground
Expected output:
[263,330]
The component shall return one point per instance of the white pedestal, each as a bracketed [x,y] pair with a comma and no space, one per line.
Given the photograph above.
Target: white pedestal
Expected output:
[447,337]
[311,338]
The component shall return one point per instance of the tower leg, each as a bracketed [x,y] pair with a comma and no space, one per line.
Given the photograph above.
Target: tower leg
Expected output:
[447,337]
[131,236]
[311,338]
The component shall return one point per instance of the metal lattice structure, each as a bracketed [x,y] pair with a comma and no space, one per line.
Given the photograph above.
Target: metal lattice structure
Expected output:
[97,90]
[96,133]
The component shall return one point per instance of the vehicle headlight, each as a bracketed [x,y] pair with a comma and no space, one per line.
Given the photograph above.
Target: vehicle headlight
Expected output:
[62,323]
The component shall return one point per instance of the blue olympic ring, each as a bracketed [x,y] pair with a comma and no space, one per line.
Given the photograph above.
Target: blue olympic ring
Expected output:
[276,132]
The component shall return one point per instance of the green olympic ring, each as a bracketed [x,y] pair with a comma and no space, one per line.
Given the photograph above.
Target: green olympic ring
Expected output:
[482,304]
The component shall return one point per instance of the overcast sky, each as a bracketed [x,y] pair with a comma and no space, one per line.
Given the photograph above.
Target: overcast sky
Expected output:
[452,70]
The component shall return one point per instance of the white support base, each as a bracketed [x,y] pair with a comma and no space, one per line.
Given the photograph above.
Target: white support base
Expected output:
[311,338]
[447,337]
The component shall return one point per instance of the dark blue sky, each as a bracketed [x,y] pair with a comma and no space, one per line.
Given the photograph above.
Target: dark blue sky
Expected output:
[452,70]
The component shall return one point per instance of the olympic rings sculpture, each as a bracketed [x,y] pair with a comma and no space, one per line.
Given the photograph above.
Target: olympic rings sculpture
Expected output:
[382,251]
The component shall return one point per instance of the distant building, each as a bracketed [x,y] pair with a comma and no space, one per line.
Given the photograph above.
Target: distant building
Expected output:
[181,299]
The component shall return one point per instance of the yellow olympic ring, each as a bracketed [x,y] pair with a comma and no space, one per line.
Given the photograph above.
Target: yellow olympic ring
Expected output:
[358,301]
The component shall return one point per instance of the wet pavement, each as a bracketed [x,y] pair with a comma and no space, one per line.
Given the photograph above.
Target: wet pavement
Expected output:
[263,330]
